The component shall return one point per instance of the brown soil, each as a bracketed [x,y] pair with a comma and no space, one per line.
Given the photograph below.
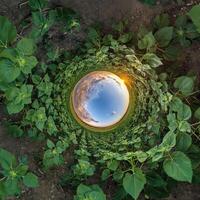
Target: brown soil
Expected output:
[91,11]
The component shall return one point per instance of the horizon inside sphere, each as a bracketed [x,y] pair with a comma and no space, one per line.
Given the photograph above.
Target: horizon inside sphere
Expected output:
[100,99]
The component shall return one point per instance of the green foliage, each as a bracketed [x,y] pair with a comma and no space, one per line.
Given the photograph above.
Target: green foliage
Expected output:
[155,138]
[17,98]
[147,42]
[185,85]
[134,183]
[13,174]
[37,117]
[178,166]
[84,168]
[161,21]
[152,59]
[53,155]
[164,36]
[8,32]
[26,46]
[194,15]
[92,192]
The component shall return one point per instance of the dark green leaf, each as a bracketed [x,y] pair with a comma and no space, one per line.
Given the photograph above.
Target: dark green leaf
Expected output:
[184,84]
[195,16]
[164,36]
[184,141]
[7,160]
[8,32]
[8,71]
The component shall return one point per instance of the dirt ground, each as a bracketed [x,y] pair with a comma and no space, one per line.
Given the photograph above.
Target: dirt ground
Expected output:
[105,12]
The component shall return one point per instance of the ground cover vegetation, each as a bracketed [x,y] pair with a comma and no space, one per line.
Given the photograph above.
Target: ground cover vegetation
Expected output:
[156,146]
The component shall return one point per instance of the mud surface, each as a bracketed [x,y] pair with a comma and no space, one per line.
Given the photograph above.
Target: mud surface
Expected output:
[106,12]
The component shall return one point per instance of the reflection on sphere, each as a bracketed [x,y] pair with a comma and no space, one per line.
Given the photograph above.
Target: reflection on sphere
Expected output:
[100,99]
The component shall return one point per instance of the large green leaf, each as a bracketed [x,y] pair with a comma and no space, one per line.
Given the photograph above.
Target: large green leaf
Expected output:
[184,84]
[179,167]
[184,112]
[8,71]
[164,36]
[194,14]
[8,32]
[134,183]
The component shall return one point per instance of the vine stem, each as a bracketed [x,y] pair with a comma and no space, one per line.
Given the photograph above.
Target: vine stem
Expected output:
[22,4]
[197,123]
[196,135]
[2,178]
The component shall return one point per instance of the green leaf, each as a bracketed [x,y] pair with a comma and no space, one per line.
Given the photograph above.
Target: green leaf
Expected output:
[141,156]
[181,21]
[93,192]
[171,53]
[197,114]
[8,71]
[31,180]
[152,59]
[134,183]
[113,165]
[147,42]
[27,63]
[37,4]
[14,130]
[105,174]
[184,141]
[169,140]
[50,144]
[184,126]
[184,112]
[164,36]
[155,180]
[195,17]
[184,84]
[10,54]
[18,97]
[8,32]
[51,126]
[26,46]
[161,21]
[12,187]
[21,169]
[178,167]
[7,160]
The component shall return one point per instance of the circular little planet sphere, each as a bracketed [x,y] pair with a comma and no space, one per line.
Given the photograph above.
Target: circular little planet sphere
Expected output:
[100,99]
